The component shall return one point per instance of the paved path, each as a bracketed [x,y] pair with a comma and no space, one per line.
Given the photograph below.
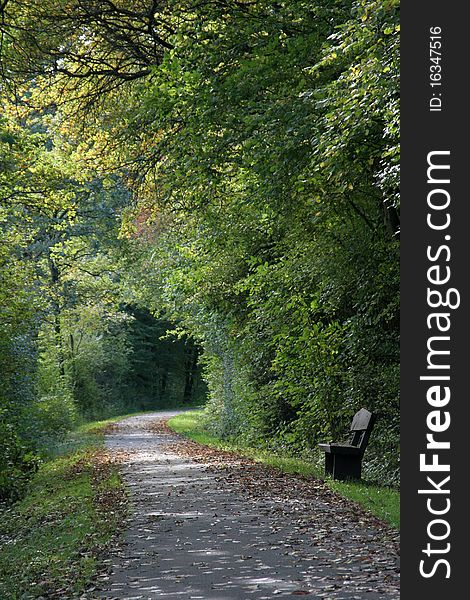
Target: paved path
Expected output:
[198,533]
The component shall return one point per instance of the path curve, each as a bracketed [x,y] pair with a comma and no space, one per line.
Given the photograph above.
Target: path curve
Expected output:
[195,534]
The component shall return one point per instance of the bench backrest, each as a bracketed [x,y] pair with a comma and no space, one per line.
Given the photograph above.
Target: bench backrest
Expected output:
[360,429]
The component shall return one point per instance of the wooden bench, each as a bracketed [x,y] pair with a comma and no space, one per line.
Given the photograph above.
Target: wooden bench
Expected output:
[343,461]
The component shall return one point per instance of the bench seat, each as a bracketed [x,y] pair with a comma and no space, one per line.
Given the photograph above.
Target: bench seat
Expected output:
[344,460]
[334,448]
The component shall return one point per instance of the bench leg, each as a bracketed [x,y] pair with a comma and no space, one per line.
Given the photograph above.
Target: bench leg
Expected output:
[329,463]
[346,466]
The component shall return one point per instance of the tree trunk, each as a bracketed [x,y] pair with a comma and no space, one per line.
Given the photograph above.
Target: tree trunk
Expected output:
[190,374]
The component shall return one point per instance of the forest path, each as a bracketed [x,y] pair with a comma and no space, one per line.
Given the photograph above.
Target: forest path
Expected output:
[208,526]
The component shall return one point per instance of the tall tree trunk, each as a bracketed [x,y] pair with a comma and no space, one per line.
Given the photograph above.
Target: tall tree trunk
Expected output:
[163,384]
[55,277]
[190,374]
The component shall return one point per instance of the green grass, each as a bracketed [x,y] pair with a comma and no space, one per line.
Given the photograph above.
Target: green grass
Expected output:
[51,540]
[85,434]
[383,502]
[96,427]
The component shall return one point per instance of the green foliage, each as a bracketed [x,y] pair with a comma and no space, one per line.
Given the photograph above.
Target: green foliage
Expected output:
[280,140]
[50,418]
[17,462]
[69,345]
[237,176]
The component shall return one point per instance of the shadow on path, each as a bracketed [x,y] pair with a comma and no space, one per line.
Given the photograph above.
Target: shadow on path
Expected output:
[196,534]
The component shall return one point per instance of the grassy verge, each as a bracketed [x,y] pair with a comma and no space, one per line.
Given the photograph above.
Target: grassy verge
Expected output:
[52,540]
[383,502]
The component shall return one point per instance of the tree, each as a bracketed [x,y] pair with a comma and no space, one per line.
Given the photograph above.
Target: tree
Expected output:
[260,143]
